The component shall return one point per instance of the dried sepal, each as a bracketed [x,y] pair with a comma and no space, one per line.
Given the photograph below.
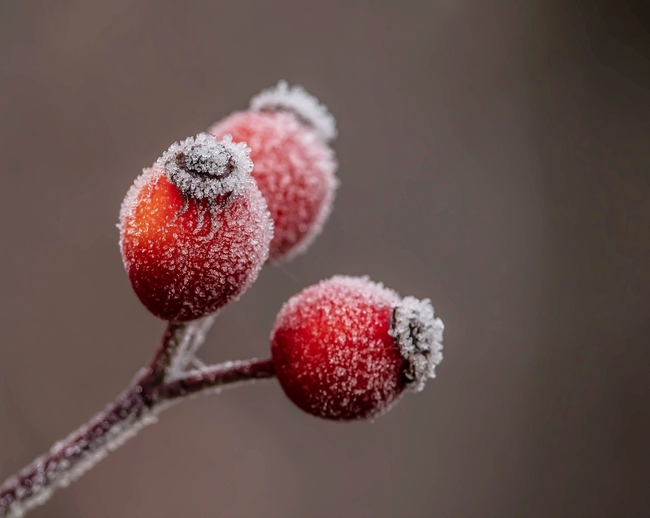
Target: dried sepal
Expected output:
[203,167]
[304,105]
[418,334]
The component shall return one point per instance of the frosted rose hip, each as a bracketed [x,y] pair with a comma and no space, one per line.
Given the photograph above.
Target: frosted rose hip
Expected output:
[347,348]
[194,229]
[287,130]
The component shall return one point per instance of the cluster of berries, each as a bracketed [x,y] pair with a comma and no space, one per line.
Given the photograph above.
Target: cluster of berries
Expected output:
[197,227]
[195,230]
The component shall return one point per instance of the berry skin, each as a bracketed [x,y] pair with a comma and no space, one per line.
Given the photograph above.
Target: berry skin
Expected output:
[347,348]
[194,229]
[288,131]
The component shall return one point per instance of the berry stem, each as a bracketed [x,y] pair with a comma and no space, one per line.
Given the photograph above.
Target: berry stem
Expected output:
[152,391]
[193,337]
[170,345]
[215,376]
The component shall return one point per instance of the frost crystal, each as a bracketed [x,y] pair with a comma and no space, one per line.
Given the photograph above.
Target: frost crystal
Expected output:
[191,341]
[204,167]
[297,100]
[419,336]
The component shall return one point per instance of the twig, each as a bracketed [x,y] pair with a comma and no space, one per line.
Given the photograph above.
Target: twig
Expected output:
[171,344]
[153,390]
[216,376]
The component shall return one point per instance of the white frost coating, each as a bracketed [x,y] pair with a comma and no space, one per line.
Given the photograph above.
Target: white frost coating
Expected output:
[204,167]
[63,472]
[132,419]
[129,203]
[297,100]
[295,170]
[328,165]
[193,338]
[419,336]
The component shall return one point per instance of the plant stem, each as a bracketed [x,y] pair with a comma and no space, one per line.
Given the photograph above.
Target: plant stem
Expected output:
[216,376]
[151,393]
[172,341]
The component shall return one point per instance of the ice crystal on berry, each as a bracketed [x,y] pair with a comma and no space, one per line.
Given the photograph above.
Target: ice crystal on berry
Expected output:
[297,100]
[419,336]
[203,167]
[294,169]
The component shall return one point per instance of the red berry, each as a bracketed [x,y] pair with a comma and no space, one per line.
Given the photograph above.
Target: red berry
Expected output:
[194,229]
[288,130]
[347,348]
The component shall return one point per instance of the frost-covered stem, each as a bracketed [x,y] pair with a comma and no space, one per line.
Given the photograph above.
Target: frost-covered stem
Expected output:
[171,342]
[193,337]
[215,376]
[137,407]
[68,459]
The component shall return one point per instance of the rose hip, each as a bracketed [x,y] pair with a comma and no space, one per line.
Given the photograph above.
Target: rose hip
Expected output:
[287,130]
[194,229]
[347,348]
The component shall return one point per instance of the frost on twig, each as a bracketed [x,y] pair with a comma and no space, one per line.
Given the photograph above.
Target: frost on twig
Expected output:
[154,389]
[70,458]
[192,340]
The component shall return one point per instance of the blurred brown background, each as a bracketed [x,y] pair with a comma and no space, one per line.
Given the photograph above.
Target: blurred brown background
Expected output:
[493,156]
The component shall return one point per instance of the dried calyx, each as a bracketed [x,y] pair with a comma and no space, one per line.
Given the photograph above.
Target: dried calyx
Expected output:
[302,104]
[203,167]
[418,334]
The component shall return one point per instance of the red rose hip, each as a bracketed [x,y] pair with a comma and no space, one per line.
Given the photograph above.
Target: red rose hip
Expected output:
[194,229]
[288,130]
[347,348]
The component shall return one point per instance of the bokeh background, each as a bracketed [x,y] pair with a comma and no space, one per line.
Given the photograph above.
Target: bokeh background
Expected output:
[493,156]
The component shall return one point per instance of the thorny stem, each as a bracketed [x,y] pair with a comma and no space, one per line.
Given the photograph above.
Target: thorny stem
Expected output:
[155,388]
